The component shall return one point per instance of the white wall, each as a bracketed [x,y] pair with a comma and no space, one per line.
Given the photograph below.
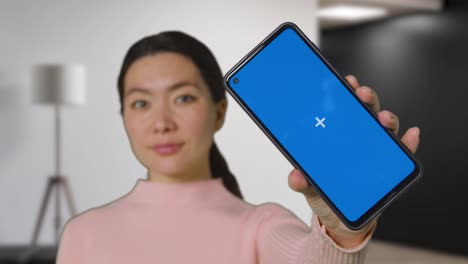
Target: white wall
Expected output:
[96,153]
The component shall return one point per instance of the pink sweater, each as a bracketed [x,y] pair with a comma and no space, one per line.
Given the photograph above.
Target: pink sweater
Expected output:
[195,222]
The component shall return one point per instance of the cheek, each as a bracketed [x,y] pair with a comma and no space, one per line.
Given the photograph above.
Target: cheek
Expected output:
[200,122]
[134,127]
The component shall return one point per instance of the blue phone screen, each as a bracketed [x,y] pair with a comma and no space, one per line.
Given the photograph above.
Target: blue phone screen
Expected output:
[322,126]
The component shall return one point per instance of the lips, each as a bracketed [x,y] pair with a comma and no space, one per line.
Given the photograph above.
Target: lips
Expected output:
[167,148]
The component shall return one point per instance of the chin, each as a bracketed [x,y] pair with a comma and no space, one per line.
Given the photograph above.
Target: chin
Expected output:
[168,168]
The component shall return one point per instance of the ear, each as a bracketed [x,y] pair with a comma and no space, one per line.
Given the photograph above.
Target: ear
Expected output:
[221,108]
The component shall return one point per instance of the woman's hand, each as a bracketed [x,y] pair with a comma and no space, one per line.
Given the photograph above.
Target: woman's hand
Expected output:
[335,228]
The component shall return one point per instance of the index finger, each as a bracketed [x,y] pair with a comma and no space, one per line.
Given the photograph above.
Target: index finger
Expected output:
[352,81]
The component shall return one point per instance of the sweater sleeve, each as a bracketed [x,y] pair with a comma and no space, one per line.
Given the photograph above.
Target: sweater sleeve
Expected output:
[284,238]
[70,245]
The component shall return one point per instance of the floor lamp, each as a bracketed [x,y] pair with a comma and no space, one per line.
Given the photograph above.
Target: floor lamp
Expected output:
[57,85]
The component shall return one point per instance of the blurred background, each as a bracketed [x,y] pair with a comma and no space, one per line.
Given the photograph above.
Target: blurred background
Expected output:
[413,53]
[415,56]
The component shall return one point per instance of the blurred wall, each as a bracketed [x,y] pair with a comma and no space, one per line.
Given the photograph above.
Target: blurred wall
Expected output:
[418,65]
[96,154]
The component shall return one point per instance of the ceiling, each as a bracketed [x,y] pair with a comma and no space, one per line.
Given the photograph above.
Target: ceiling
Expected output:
[342,13]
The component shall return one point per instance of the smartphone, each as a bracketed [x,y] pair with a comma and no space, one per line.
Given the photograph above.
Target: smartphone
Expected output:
[316,120]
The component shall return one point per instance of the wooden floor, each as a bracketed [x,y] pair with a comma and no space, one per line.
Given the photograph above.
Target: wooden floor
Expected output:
[385,253]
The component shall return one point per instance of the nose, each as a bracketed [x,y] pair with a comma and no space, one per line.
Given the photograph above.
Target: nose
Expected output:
[163,120]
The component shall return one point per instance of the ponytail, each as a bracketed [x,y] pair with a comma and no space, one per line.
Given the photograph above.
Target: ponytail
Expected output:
[219,169]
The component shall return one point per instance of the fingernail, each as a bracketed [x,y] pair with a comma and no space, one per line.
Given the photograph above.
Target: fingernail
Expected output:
[390,115]
[415,130]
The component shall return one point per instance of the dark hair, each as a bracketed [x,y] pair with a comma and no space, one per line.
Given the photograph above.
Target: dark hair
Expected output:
[179,42]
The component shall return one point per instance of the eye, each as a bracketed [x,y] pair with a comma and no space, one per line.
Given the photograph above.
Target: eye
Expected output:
[139,104]
[185,98]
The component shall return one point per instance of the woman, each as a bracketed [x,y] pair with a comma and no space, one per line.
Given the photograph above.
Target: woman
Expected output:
[190,208]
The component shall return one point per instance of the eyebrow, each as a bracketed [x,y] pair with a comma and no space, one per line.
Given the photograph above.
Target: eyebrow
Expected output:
[171,88]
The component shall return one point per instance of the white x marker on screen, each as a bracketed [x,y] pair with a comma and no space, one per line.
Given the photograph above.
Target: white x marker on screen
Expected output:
[320,122]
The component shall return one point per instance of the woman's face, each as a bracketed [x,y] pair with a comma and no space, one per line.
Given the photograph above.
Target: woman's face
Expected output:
[170,117]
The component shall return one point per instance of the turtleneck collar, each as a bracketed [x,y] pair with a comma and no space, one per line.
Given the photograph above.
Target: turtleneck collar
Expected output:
[193,192]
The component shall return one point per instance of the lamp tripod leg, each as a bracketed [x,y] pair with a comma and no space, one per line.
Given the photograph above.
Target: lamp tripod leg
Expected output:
[54,182]
[58,215]
[69,197]
[37,229]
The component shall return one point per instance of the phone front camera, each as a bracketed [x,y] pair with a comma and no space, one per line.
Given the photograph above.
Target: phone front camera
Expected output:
[236,81]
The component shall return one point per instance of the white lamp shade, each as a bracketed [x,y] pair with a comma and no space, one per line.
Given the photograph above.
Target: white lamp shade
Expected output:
[62,84]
